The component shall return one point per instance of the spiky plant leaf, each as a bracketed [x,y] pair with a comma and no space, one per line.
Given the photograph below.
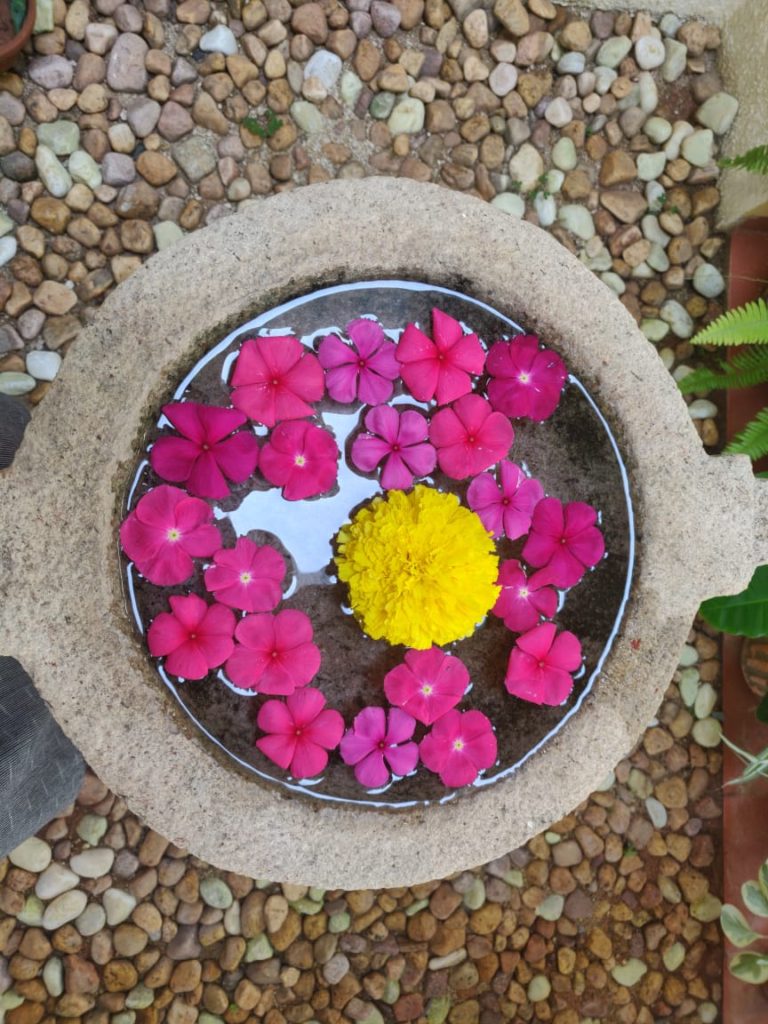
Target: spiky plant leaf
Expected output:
[745,370]
[755,160]
[745,325]
[735,926]
[753,440]
[750,967]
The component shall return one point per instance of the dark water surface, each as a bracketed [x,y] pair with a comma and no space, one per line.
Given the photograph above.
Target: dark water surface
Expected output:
[573,454]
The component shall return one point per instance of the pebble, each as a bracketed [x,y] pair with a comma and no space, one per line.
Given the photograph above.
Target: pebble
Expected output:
[558,113]
[658,129]
[509,202]
[657,812]
[650,52]
[675,60]
[546,209]
[708,281]
[44,366]
[551,907]
[613,51]
[503,79]
[55,880]
[166,233]
[53,174]
[84,169]
[698,147]
[718,112]
[526,167]
[407,117]
[650,166]
[51,71]
[61,137]
[678,318]
[91,828]
[215,893]
[578,220]
[53,976]
[92,920]
[708,732]
[32,912]
[98,861]
[325,67]
[63,909]
[572,63]
[126,71]
[701,409]
[220,39]
[307,117]
[629,973]
[118,905]
[32,855]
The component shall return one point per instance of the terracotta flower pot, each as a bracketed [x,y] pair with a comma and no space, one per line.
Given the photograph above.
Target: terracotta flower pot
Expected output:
[10,49]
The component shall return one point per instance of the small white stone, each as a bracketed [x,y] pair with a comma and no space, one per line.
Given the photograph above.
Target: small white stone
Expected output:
[675,61]
[220,39]
[526,167]
[688,656]
[509,202]
[653,230]
[650,166]
[698,147]
[407,118]
[667,357]
[708,281]
[613,51]
[678,318]
[554,181]
[91,920]
[702,409]
[718,112]
[578,220]
[63,909]
[503,79]
[43,365]
[32,855]
[6,224]
[559,113]
[670,24]
[657,258]
[654,194]
[84,169]
[649,93]
[705,701]
[118,905]
[546,209]
[708,732]
[650,52]
[658,129]
[8,247]
[167,233]
[657,812]
[572,63]
[325,66]
[564,154]
[680,131]
[350,88]
[92,863]
[32,911]
[55,880]
[307,117]
[614,282]
[604,79]
[52,172]
[53,976]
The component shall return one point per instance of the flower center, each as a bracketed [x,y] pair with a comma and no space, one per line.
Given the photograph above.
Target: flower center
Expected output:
[505,501]
[173,534]
[523,592]
[245,577]
[542,664]
[471,439]
[193,636]
[382,745]
[299,460]
[426,690]
[524,378]
[205,447]
[563,540]
[274,654]
[458,744]
[297,732]
[395,447]
[274,382]
[361,364]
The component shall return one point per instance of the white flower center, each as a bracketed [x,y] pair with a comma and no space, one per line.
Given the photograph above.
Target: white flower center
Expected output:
[523,592]
[299,460]
[524,377]
[458,744]
[173,534]
[426,690]
[245,577]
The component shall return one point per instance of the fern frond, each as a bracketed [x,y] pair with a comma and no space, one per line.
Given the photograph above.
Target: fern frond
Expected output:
[745,370]
[753,440]
[745,325]
[754,160]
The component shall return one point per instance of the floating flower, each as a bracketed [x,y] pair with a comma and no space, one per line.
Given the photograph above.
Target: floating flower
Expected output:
[420,567]
[165,531]
[505,507]
[301,458]
[526,380]
[428,685]
[365,369]
[541,663]
[522,603]
[400,441]
[469,437]
[564,541]
[248,576]
[193,637]
[460,745]
[205,457]
[275,378]
[274,653]
[441,365]
[378,744]
[300,732]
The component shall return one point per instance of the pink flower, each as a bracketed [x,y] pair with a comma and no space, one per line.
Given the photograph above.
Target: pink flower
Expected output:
[525,380]
[505,507]
[165,531]
[377,744]
[564,540]
[274,379]
[193,637]
[541,664]
[460,745]
[301,458]
[365,369]
[300,732]
[204,458]
[248,577]
[400,439]
[274,653]
[469,437]
[428,685]
[521,604]
[440,365]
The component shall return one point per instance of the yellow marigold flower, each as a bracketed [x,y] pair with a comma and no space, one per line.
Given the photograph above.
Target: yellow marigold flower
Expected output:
[421,568]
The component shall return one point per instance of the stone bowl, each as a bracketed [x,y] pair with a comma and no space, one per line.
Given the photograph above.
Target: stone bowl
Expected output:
[701,526]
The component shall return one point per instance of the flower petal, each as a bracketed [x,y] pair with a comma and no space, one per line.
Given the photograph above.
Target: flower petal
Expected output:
[371,771]
[173,458]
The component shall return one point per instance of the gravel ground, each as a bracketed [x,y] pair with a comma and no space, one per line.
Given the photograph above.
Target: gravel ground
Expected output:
[131,126]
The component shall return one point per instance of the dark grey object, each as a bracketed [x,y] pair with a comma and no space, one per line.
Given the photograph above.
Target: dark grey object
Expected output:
[14,417]
[40,769]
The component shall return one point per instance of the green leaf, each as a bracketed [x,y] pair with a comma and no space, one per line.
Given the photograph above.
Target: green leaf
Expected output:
[753,440]
[750,967]
[735,926]
[252,125]
[754,160]
[747,324]
[744,614]
[18,13]
[745,370]
[762,879]
[762,710]
[754,899]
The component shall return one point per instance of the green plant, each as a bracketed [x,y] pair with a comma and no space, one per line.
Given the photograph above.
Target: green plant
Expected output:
[264,127]
[750,967]
[754,160]
[756,764]
[18,13]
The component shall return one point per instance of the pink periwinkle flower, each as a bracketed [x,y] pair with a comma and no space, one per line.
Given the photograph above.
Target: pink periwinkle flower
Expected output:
[274,653]
[300,732]
[526,380]
[363,370]
[301,458]
[399,440]
[275,378]
[193,637]
[563,541]
[427,685]
[379,744]
[541,663]
[460,745]
[248,576]
[506,506]
[165,531]
[469,437]
[439,366]
[522,603]
[205,456]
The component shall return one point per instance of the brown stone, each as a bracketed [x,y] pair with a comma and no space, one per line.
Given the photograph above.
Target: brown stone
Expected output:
[513,16]
[137,236]
[156,167]
[310,20]
[54,298]
[80,976]
[672,792]
[119,976]
[186,976]
[626,205]
[617,168]
[51,214]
